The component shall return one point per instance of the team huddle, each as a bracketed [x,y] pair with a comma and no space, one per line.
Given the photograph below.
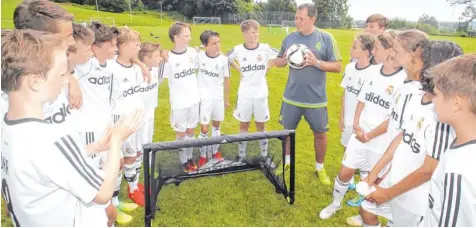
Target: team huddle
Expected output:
[79,102]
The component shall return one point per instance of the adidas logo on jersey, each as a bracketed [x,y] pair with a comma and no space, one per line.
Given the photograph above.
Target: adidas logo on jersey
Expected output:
[99,81]
[185,73]
[377,100]
[353,90]
[138,89]
[255,67]
[209,73]
[411,141]
[59,117]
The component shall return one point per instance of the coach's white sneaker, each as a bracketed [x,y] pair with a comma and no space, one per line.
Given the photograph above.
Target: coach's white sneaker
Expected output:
[327,212]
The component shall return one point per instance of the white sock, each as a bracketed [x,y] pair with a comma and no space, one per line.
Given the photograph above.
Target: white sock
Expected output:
[190,149]
[242,147]
[138,165]
[263,145]
[215,132]
[363,174]
[288,159]
[131,176]
[352,181]
[365,225]
[182,152]
[203,149]
[115,195]
[340,189]
[115,201]
[319,166]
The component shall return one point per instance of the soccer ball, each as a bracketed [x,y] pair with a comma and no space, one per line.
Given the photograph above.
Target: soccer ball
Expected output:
[295,55]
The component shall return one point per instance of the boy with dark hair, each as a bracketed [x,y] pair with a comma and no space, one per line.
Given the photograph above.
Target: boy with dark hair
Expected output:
[214,87]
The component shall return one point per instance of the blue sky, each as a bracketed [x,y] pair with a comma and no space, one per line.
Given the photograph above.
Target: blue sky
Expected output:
[440,9]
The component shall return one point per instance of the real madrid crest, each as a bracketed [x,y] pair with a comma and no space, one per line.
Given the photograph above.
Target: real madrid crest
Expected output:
[389,90]
[217,67]
[259,58]
[420,123]
[191,60]
[177,65]
[398,98]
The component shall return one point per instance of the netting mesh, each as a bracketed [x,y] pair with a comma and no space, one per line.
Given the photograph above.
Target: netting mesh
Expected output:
[206,20]
[167,162]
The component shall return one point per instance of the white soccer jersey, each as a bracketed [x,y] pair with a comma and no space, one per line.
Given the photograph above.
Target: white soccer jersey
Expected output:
[127,93]
[181,72]
[45,173]
[253,67]
[377,94]
[422,135]
[452,198]
[59,112]
[211,74]
[352,82]
[3,103]
[406,97]
[95,82]
[150,92]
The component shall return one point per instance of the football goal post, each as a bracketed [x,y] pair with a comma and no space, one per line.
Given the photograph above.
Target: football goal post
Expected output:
[162,166]
[206,20]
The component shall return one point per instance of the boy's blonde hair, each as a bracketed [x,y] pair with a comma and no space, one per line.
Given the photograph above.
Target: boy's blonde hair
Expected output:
[457,76]
[146,49]
[127,34]
[249,24]
[378,18]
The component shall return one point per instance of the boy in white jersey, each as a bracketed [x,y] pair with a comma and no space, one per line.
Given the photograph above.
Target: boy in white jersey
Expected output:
[125,97]
[452,198]
[150,55]
[181,72]
[253,59]
[214,87]
[33,73]
[370,122]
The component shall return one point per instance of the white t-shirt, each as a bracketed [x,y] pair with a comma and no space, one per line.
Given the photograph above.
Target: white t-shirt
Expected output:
[422,135]
[211,74]
[352,82]
[3,103]
[377,94]
[181,72]
[407,97]
[127,93]
[95,83]
[253,67]
[150,92]
[45,173]
[452,198]
[59,112]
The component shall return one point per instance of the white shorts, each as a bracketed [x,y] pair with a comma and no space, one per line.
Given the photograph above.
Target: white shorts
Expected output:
[247,108]
[148,131]
[212,110]
[183,119]
[99,159]
[358,156]
[403,217]
[345,135]
[132,144]
[383,210]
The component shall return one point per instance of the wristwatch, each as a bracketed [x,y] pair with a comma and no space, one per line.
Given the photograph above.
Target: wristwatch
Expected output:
[318,64]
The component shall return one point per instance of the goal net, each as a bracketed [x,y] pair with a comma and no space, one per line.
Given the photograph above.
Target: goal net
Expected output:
[288,26]
[206,20]
[162,165]
[103,20]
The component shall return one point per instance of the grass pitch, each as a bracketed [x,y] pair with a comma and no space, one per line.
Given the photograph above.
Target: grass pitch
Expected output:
[244,199]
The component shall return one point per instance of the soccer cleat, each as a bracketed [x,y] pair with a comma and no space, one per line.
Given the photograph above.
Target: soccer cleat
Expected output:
[202,161]
[352,186]
[355,220]
[123,218]
[322,174]
[191,165]
[327,212]
[127,207]
[240,159]
[137,197]
[218,156]
[185,167]
[355,202]
[141,187]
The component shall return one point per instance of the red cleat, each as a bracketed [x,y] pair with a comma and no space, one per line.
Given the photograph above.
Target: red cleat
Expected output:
[218,156]
[137,197]
[202,161]
[191,165]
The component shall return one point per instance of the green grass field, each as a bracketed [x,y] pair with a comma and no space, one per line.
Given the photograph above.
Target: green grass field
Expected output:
[244,199]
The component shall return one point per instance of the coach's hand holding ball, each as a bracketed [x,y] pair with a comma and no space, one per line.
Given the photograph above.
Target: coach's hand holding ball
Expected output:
[310,59]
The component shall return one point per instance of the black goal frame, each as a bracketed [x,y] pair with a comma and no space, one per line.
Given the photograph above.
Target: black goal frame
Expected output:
[155,185]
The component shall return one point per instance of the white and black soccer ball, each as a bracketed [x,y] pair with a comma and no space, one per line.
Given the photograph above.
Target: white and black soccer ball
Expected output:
[295,55]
